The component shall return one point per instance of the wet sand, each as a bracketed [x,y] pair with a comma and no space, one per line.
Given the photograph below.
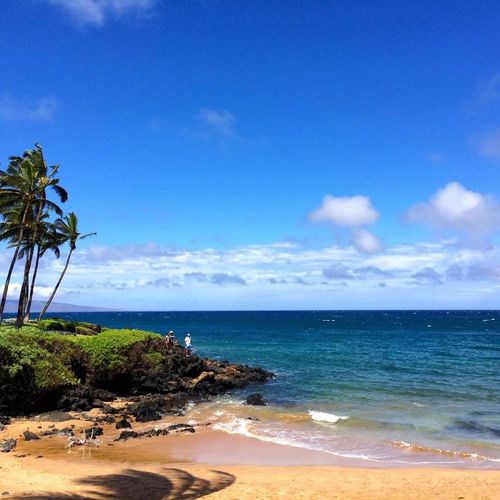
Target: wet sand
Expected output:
[211,463]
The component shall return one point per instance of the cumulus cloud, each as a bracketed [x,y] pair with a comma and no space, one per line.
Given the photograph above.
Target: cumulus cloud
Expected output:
[487,143]
[17,110]
[457,209]
[97,12]
[345,211]
[365,241]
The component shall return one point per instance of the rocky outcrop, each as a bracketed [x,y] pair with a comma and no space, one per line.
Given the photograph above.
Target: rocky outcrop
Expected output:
[255,400]
[162,380]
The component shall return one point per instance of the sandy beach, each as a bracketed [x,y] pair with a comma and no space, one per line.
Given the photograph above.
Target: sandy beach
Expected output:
[211,463]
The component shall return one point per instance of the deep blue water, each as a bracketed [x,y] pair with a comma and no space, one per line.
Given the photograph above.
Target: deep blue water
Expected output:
[414,384]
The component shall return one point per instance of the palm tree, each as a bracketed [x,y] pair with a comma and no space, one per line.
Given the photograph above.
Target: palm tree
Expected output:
[17,190]
[24,184]
[67,230]
[47,239]
[22,189]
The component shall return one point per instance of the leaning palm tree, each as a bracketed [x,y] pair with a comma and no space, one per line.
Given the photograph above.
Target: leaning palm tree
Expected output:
[46,179]
[67,230]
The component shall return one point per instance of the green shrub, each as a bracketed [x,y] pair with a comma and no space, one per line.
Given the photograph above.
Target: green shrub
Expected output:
[91,326]
[83,330]
[47,357]
[107,351]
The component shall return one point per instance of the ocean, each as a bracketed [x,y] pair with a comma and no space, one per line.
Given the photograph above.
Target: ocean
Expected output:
[380,388]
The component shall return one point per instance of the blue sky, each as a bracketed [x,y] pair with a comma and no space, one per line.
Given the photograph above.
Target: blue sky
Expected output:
[285,154]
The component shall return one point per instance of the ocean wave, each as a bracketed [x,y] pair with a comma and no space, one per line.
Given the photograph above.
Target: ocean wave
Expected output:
[242,427]
[331,418]
[438,451]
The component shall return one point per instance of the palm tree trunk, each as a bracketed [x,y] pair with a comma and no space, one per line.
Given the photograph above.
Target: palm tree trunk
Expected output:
[24,291]
[27,266]
[7,282]
[32,288]
[13,263]
[46,306]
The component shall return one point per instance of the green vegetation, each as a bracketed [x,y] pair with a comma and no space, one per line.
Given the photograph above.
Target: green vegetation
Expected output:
[37,362]
[26,225]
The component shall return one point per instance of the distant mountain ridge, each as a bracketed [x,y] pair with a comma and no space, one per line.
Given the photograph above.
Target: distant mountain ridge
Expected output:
[11,307]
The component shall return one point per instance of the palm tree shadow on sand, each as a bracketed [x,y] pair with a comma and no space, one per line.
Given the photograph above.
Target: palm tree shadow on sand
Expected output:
[135,484]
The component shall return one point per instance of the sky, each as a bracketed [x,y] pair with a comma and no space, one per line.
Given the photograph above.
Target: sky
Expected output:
[263,155]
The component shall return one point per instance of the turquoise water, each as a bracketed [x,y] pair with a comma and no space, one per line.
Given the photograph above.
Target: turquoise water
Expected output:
[417,386]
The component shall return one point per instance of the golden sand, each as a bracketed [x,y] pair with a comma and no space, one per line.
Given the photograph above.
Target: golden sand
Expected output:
[194,465]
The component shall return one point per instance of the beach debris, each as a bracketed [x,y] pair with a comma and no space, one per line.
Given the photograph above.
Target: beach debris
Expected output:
[5,493]
[123,424]
[7,445]
[84,441]
[255,399]
[30,436]
[254,419]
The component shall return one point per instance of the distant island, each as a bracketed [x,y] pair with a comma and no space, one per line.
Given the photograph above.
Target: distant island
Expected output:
[11,307]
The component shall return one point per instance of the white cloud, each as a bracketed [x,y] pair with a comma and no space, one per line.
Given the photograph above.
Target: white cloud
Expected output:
[217,125]
[97,12]
[487,144]
[458,209]
[365,241]
[277,275]
[17,110]
[345,211]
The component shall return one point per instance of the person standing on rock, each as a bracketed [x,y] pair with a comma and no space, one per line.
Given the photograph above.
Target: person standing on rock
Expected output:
[169,340]
[187,344]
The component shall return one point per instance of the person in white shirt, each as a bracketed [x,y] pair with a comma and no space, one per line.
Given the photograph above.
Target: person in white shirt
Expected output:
[187,344]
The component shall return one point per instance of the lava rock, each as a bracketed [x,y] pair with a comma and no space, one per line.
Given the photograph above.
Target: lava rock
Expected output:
[93,432]
[123,424]
[4,420]
[255,400]
[147,410]
[124,435]
[7,445]
[30,436]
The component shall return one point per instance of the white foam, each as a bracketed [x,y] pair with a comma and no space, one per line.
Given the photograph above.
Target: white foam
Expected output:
[331,418]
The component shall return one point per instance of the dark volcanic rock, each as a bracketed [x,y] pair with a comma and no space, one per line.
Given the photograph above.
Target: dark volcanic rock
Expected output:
[2,427]
[123,424]
[255,400]
[175,427]
[148,410]
[54,416]
[30,436]
[7,445]
[93,432]
[79,399]
[124,435]
[4,420]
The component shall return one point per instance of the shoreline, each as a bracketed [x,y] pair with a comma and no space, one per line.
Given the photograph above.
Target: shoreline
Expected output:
[211,462]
